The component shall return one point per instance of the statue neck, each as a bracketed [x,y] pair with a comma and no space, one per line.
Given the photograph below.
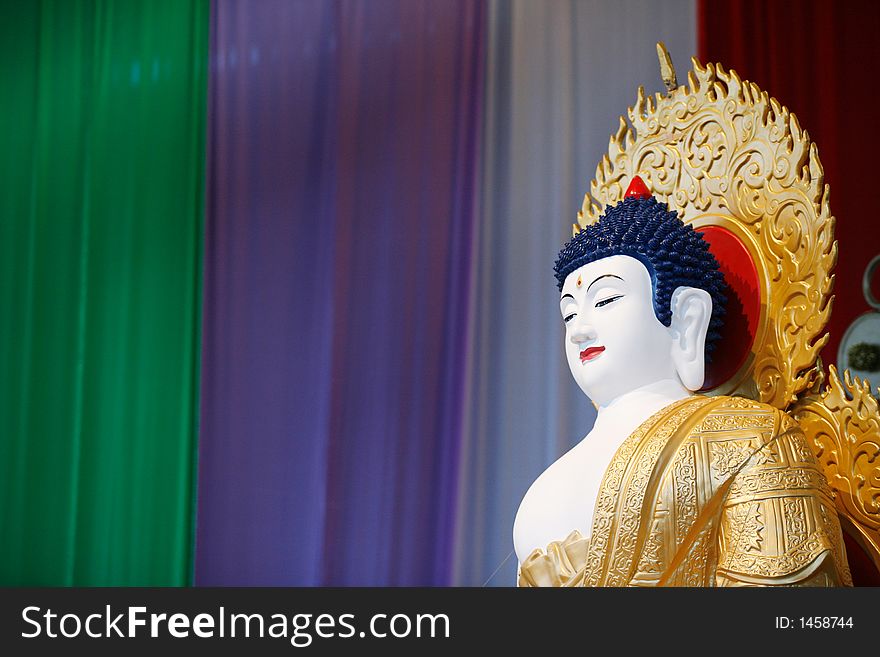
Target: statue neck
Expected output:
[642,402]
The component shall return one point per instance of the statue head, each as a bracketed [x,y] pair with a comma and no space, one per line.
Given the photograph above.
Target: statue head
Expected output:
[642,300]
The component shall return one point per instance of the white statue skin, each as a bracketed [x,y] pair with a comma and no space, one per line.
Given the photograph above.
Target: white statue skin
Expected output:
[631,366]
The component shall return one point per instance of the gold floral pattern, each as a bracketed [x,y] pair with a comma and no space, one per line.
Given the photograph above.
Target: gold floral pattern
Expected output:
[728,456]
[745,522]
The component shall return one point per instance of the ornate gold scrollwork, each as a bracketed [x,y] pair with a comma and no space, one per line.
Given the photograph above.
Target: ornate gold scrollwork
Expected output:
[722,152]
[843,425]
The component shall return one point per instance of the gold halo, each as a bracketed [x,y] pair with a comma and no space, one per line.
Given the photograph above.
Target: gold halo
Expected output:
[722,152]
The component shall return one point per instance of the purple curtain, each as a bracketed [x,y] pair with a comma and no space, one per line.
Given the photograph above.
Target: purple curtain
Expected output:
[342,170]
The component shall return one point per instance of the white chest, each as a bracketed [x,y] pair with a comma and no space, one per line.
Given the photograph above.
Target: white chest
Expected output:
[563,497]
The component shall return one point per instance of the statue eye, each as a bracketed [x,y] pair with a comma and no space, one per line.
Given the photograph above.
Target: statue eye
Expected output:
[568,317]
[605,302]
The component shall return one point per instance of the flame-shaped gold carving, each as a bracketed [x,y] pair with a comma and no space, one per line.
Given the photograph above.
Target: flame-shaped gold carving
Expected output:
[722,152]
[843,426]
[667,70]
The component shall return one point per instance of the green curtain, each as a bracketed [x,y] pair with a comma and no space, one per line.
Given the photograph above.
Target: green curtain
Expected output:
[102,119]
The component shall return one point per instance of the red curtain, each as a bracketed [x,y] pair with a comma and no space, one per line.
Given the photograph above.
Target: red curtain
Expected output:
[816,57]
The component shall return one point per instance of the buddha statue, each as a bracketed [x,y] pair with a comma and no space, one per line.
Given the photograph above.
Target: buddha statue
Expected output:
[693,306]
[662,489]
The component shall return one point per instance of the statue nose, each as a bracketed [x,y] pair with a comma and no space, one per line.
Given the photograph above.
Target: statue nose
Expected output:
[582,331]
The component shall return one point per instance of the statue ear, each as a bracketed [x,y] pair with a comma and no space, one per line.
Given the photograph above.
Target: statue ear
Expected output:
[691,312]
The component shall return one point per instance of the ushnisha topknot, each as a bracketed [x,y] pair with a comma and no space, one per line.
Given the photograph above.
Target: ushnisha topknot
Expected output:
[673,253]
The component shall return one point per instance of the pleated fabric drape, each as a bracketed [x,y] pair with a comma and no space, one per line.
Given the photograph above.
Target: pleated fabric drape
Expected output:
[101,187]
[343,162]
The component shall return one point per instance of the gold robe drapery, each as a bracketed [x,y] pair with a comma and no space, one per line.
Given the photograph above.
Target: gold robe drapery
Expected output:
[709,491]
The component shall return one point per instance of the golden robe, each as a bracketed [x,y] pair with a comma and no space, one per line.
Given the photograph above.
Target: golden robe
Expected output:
[709,491]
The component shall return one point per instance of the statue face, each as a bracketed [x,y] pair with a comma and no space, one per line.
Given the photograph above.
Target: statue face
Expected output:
[614,342]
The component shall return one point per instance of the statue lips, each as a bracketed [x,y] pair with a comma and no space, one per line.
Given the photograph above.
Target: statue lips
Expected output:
[590,353]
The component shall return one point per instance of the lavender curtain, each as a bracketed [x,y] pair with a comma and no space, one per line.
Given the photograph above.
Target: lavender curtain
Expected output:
[559,73]
[343,155]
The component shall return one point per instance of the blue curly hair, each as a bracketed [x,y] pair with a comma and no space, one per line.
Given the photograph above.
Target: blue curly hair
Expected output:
[673,253]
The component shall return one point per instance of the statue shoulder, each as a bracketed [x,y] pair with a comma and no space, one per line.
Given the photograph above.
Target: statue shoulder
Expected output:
[768,476]
[725,414]
[727,404]
[740,436]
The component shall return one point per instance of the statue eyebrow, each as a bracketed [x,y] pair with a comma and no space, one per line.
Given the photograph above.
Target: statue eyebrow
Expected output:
[566,295]
[602,276]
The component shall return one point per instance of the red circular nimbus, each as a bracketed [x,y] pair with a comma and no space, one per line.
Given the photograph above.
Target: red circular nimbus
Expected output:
[743,308]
